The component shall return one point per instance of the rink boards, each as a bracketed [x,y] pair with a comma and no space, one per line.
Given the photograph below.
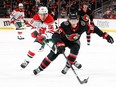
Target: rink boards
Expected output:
[107,25]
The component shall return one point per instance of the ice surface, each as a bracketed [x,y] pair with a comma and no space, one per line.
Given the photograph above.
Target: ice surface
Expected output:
[98,61]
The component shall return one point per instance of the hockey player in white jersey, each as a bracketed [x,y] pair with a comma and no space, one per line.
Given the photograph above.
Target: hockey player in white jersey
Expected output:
[44,24]
[17,20]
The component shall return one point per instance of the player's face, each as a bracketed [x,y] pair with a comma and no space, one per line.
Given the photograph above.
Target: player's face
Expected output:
[85,6]
[43,16]
[73,22]
[21,7]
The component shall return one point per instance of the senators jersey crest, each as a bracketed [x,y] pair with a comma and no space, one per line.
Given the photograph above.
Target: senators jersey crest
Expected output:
[85,17]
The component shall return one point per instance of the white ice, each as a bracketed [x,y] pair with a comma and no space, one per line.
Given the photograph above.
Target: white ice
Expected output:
[98,62]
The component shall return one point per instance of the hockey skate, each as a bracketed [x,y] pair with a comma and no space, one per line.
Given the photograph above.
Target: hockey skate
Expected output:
[88,38]
[65,69]
[77,65]
[20,38]
[88,43]
[36,71]
[24,64]
[42,48]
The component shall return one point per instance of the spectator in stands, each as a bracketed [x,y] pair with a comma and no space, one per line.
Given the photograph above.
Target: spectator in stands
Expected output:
[98,15]
[30,6]
[107,14]
[74,6]
[63,13]
[113,15]
[114,4]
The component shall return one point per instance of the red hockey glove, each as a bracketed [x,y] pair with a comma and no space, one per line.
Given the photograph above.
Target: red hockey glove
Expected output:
[74,37]
[42,30]
[41,38]
[108,38]
[60,47]
[12,21]
[34,34]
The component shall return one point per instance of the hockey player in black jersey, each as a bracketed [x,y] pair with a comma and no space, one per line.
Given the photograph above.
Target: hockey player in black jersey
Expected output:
[86,15]
[68,35]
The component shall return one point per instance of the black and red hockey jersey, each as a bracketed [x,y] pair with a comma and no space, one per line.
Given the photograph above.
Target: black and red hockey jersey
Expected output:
[65,32]
[85,15]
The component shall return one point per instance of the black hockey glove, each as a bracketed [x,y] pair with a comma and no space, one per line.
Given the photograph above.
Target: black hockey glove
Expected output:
[108,38]
[60,47]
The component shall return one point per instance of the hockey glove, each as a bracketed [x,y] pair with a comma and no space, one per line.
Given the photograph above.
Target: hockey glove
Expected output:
[42,30]
[12,21]
[60,47]
[108,38]
[34,34]
[41,38]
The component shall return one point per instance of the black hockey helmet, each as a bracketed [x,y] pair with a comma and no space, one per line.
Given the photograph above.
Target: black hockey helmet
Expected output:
[73,19]
[73,15]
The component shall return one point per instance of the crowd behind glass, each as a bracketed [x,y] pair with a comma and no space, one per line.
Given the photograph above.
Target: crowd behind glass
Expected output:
[60,8]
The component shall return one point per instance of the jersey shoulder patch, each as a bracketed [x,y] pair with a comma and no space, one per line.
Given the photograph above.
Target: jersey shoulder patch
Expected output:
[82,23]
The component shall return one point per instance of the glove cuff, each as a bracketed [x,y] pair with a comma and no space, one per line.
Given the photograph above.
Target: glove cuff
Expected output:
[105,35]
[60,44]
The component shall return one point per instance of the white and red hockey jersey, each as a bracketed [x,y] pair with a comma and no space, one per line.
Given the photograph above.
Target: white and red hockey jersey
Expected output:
[46,27]
[17,15]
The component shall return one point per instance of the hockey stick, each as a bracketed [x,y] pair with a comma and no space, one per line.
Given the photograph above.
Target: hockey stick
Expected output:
[55,51]
[80,81]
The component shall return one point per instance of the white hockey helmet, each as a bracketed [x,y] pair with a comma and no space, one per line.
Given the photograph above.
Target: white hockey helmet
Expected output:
[20,4]
[43,10]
